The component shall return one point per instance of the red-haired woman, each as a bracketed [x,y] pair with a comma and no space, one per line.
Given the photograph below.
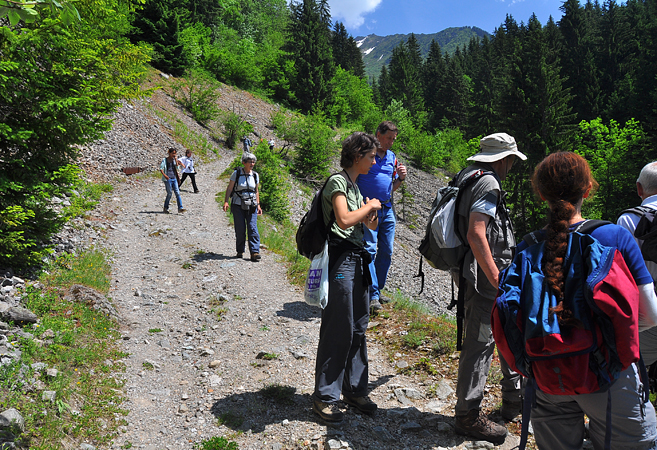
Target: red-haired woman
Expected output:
[564,180]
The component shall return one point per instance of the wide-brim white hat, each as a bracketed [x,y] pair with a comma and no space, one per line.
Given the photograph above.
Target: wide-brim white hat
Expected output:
[495,147]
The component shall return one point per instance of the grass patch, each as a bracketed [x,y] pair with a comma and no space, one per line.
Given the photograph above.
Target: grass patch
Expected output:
[428,341]
[217,443]
[80,343]
[155,330]
[89,269]
[196,142]
[281,239]
[87,198]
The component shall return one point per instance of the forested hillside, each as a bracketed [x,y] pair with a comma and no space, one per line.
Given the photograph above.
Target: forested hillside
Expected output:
[583,82]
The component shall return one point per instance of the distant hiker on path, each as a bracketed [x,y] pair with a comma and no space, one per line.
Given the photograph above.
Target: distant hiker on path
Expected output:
[385,177]
[242,191]
[188,171]
[484,220]
[342,365]
[170,179]
[247,144]
[646,187]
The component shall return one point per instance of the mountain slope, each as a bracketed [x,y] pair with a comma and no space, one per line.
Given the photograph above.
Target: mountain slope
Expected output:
[377,50]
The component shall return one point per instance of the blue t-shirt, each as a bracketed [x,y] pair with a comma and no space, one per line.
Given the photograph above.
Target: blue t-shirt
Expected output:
[378,181]
[615,236]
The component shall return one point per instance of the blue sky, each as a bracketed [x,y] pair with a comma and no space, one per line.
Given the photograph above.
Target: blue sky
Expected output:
[385,17]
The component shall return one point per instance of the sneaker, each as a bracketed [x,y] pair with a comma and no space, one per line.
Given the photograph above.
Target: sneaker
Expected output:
[255,257]
[328,411]
[165,211]
[196,191]
[384,299]
[181,210]
[362,404]
[511,411]
[475,424]
[375,306]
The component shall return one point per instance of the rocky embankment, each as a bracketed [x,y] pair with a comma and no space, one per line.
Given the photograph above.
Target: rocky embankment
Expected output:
[231,342]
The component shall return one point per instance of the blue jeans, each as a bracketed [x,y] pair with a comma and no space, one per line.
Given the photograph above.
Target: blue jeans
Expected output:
[245,222]
[379,245]
[172,185]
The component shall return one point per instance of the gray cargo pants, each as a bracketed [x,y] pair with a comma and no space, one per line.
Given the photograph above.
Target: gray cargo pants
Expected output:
[477,355]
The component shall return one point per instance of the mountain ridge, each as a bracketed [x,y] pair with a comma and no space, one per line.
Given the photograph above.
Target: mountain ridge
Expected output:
[377,50]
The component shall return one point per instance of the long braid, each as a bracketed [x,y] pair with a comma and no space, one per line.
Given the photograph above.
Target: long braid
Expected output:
[562,179]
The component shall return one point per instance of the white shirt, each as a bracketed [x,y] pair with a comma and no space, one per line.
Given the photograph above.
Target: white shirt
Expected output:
[189,164]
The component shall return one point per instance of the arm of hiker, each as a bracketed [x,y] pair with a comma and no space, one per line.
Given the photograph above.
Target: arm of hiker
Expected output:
[647,306]
[371,221]
[479,246]
[163,167]
[229,189]
[345,218]
[258,200]
[401,170]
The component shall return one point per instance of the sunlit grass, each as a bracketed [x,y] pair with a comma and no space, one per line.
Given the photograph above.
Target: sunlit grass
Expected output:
[89,269]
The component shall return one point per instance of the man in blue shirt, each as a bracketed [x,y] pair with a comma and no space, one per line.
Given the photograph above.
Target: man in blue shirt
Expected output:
[383,179]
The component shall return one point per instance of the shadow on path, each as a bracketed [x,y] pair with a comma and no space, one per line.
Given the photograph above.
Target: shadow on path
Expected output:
[301,311]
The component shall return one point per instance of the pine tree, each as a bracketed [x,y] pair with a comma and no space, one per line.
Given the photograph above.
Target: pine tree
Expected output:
[158,23]
[537,113]
[483,112]
[346,53]
[308,45]
[433,75]
[404,71]
[578,57]
[384,95]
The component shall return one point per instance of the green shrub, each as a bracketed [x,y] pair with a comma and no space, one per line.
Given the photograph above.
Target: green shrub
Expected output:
[217,443]
[274,184]
[315,148]
[234,127]
[198,93]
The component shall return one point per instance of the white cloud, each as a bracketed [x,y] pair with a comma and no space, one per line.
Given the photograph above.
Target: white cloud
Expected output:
[351,12]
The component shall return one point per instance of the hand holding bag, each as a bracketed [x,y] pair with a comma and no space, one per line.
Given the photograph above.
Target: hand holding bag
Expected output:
[317,284]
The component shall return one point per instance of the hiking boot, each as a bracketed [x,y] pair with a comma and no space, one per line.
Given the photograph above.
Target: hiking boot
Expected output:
[475,424]
[165,211]
[255,257]
[362,404]
[181,210]
[196,191]
[375,306]
[511,411]
[384,299]
[328,411]
[240,254]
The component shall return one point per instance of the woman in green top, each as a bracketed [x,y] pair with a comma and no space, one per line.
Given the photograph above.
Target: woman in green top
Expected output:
[341,366]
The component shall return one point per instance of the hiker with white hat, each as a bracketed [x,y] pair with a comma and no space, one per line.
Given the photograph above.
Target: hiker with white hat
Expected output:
[484,220]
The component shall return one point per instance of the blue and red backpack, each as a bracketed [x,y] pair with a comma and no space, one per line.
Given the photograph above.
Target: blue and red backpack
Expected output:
[602,295]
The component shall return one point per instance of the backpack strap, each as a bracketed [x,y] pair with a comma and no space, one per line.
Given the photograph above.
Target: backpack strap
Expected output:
[637,210]
[350,185]
[586,227]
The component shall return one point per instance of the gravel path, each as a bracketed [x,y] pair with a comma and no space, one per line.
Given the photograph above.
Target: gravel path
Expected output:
[190,369]
[221,346]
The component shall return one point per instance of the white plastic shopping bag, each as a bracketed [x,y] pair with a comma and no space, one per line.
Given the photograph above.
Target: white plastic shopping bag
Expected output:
[316,291]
